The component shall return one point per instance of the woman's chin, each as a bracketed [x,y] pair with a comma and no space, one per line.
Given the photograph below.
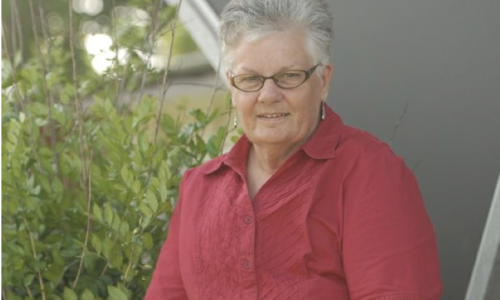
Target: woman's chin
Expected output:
[271,137]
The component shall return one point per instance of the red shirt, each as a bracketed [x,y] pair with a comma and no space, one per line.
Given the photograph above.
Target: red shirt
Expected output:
[341,219]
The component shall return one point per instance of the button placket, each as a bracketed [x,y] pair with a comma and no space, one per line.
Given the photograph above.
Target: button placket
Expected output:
[246,248]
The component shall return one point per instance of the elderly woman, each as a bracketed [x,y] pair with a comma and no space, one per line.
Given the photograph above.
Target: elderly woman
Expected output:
[303,206]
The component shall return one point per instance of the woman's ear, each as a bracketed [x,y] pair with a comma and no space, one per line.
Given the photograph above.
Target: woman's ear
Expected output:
[326,77]
[228,79]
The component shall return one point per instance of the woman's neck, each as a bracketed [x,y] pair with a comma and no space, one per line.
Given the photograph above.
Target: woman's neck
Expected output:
[269,158]
[262,163]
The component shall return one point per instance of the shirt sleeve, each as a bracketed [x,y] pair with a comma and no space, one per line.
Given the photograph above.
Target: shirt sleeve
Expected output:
[166,283]
[389,246]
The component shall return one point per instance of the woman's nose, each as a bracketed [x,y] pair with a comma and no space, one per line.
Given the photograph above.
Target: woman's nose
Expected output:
[270,92]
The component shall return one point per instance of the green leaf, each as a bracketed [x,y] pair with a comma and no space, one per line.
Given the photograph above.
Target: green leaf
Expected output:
[146,211]
[28,279]
[200,145]
[22,117]
[30,182]
[18,263]
[87,295]
[126,176]
[124,229]
[163,192]
[198,115]
[97,212]
[56,187]
[107,247]
[96,243]
[116,260]
[164,172]
[214,144]
[147,239]
[54,273]
[12,296]
[136,187]
[108,214]
[116,293]
[31,203]
[36,190]
[69,90]
[69,294]
[116,221]
[213,115]
[151,201]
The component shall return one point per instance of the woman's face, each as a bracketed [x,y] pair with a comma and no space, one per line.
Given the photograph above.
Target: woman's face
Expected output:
[272,115]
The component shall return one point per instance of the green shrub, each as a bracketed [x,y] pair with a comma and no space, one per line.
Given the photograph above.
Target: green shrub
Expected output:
[88,181]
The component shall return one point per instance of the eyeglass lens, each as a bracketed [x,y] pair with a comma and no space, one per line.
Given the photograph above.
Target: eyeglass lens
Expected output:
[286,80]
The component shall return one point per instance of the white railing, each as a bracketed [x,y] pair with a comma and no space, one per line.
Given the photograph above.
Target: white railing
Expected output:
[488,250]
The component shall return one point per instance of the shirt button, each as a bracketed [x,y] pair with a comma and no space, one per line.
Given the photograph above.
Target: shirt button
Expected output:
[246,264]
[248,219]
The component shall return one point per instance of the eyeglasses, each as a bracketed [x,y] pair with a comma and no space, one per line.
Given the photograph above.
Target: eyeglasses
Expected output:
[286,80]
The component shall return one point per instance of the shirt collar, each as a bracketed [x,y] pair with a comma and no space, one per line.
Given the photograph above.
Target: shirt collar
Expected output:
[236,158]
[321,145]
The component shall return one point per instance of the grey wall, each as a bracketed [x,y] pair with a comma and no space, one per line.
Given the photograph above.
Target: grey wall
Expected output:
[441,60]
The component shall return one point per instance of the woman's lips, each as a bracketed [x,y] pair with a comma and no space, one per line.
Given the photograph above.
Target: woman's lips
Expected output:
[272,115]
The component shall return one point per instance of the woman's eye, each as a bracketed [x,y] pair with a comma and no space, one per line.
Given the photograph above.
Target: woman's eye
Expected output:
[250,78]
[290,75]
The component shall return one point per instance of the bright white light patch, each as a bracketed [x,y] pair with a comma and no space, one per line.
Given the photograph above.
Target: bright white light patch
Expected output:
[99,45]
[89,7]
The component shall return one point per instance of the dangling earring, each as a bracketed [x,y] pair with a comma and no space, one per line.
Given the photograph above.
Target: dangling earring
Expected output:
[323,110]
[235,122]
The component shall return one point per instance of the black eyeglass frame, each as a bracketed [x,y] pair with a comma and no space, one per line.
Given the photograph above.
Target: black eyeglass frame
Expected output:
[263,79]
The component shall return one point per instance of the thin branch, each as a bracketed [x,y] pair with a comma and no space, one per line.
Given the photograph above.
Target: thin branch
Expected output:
[13,35]
[78,103]
[228,124]
[10,57]
[46,36]
[215,88]
[129,266]
[19,30]
[12,39]
[152,37]
[105,269]
[164,86]
[398,124]
[81,142]
[48,97]
[119,86]
[35,254]
[212,97]
[29,292]
[89,220]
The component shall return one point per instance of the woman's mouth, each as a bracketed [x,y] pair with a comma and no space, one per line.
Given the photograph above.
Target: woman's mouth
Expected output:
[273,116]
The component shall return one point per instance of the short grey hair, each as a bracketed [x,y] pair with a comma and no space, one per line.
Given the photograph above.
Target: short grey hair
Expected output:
[255,19]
